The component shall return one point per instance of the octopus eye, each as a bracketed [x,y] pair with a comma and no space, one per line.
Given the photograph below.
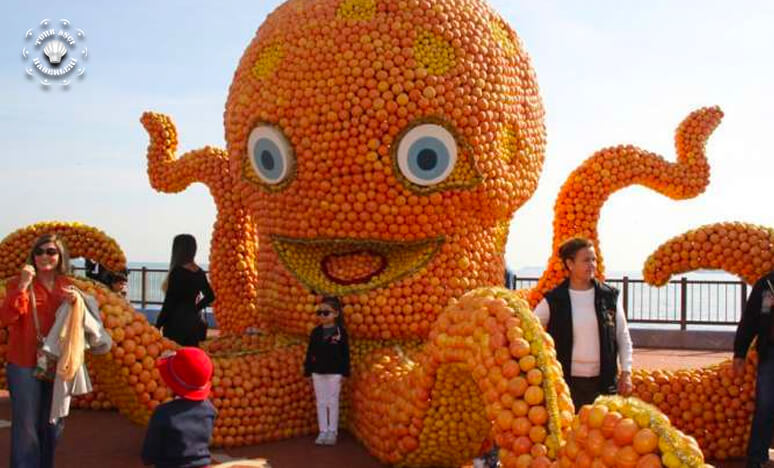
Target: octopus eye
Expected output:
[427,154]
[270,155]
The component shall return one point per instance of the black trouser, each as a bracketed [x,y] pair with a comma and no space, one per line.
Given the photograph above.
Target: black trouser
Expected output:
[584,390]
[763,420]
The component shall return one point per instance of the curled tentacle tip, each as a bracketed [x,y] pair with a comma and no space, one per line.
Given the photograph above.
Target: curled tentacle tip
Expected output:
[713,113]
[149,118]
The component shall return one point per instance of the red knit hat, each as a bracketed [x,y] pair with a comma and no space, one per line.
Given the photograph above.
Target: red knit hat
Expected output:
[188,373]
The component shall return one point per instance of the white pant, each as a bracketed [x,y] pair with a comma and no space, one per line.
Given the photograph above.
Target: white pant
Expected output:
[326,391]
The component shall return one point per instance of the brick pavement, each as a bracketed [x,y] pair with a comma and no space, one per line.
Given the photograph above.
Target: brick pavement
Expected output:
[106,439]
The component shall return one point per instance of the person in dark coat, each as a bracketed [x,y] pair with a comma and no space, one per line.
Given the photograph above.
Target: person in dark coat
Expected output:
[179,431]
[585,318]
[188,293]
[756,322]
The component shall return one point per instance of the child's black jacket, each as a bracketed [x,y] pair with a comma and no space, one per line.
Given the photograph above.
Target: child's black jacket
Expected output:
[327,356]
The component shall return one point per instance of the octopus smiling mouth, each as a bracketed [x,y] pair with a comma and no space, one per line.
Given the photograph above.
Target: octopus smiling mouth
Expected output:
[349,266]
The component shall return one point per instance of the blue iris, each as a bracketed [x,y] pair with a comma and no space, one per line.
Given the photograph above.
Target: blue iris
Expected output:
[428,158]
[268,158]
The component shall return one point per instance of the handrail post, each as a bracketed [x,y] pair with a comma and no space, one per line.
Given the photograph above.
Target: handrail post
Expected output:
[625,288]
[744,298]
[683,302]
[143,297]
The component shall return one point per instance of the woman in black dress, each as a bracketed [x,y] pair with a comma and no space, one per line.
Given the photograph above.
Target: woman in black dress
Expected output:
[181,317]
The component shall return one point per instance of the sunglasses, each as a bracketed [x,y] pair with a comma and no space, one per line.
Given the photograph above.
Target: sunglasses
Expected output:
[324,312]
[51,252]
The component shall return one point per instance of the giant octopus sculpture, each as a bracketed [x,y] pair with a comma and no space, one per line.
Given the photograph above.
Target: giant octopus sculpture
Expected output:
[376,150]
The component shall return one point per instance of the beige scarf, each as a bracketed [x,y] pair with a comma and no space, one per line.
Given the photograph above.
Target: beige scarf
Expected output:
[72,341]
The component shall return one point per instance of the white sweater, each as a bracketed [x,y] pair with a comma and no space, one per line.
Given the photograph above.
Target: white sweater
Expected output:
[585,333]
[97,341]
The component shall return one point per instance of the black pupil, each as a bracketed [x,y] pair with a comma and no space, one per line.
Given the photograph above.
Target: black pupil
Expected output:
[427,159]
[267,160]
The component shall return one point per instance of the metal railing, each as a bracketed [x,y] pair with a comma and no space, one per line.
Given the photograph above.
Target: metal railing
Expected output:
[143,286]
[681,302]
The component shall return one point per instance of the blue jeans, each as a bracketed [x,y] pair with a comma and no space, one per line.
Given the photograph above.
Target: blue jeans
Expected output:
[33,438]
[763,421]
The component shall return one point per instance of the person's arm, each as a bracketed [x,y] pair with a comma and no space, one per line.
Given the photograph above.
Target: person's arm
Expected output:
[207,294]
[310,353]
[15,304]
[151,447]
[97,337]
[624,343]
[543,312]
[623,338]
[748,325]
[345,351]
[170,298]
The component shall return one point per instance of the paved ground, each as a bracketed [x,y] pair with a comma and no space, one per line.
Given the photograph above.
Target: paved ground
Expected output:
[105,439]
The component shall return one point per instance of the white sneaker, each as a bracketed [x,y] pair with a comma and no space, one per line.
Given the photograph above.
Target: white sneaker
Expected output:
[321,439]
[331,438]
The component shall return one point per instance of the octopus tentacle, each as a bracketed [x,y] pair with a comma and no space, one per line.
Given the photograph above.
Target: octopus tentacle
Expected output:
[719,436]
[81,240]
[170,173]
[585,191]
[746,250]
[473,370]
[234,241]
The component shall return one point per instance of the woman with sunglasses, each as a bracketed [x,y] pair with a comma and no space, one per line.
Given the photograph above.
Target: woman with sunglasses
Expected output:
[33,438]
[327,361]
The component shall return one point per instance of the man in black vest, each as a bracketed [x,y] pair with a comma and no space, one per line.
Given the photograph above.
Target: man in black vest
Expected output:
[756,321]
[589,328]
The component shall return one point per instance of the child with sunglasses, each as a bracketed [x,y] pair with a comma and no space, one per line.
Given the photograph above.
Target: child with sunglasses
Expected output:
[327,361]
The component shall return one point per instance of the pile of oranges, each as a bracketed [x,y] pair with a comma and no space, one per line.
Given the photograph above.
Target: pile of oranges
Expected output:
[739,248]
[262,396]
[97,399]
[578,206]
[81,241]
[712,404]
[234,244]
[627,433]
[488,366]
[456,422]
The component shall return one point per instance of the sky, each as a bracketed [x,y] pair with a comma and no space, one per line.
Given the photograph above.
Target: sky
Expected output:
[610,72]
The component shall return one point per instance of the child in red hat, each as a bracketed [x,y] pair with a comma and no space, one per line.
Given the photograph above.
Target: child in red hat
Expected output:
[180,430]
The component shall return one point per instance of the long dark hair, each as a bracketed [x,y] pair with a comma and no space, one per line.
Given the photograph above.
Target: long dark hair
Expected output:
[335,304]
[183,252]
[63,267]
